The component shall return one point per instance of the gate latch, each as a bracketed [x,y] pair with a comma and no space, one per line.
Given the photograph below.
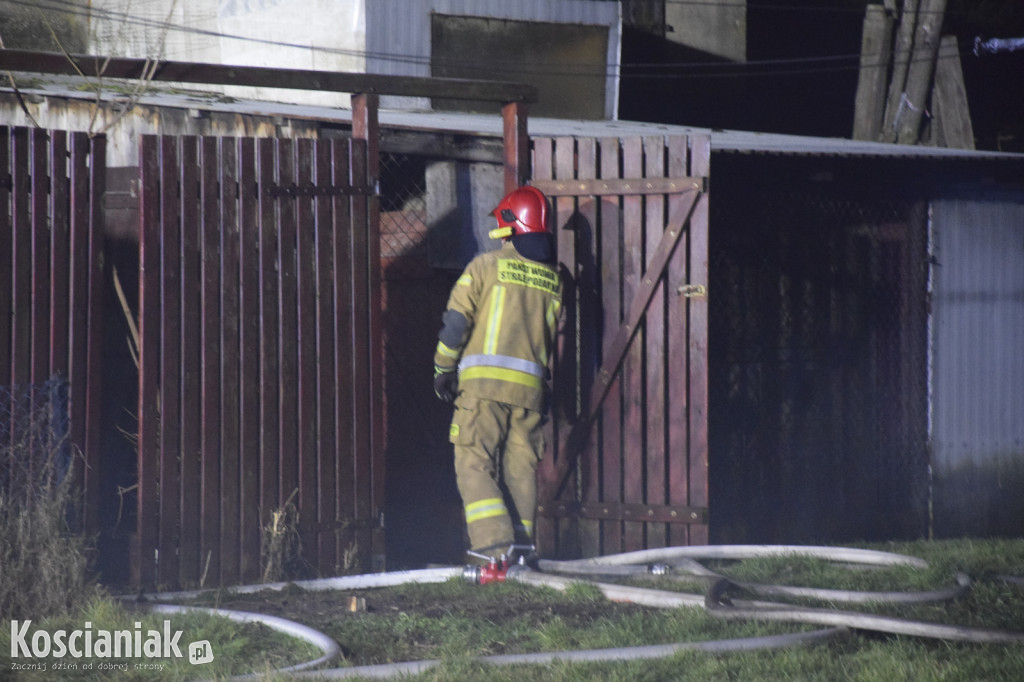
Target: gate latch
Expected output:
[692,290]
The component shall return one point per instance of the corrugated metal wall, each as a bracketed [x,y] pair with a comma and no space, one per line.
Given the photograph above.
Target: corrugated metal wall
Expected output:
[818,355]
[977,405]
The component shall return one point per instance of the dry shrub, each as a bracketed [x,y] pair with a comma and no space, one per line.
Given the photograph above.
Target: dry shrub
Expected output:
[280,547]
[43,564]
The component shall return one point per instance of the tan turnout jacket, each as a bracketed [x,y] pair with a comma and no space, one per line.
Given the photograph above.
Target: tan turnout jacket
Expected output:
[505,350]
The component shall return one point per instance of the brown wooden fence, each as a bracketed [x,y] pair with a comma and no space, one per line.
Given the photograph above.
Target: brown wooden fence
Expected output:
[259,373]
[51,185]
[628,467]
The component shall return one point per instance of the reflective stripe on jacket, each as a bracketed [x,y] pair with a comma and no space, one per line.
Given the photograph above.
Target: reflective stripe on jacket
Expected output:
[511,305]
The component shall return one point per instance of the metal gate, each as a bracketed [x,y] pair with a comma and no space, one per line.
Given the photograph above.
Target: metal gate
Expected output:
[259,376]
[627,468]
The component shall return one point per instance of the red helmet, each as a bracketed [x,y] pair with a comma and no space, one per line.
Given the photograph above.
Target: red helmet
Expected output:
[522,211]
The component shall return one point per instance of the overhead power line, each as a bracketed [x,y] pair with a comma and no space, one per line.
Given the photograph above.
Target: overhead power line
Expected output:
[821,64]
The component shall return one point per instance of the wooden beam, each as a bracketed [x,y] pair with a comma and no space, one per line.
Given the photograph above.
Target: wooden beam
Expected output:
[875,55]
[366,126]
[901,62]
[92,66]
[920,72]
[617,186]
[623,511]
[951,118]
[517,144]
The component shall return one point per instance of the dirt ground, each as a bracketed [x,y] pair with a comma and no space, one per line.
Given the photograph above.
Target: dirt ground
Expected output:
[329,612]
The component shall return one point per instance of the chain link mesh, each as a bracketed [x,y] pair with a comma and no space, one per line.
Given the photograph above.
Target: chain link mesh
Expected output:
[818,369]
[35,451]
[403,216]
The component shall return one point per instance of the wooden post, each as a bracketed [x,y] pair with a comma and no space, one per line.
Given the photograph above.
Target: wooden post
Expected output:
[901,62]
[517,144]
[875,55]
[920,72]
[951,116]
[365,127]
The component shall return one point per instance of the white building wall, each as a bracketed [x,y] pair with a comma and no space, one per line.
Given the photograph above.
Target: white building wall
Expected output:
[362,36]
[326,35]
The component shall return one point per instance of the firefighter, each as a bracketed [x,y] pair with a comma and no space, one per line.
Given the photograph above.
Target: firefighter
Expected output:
[492,363]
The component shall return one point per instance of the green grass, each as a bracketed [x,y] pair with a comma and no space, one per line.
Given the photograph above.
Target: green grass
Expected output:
[458,623]
[237,647]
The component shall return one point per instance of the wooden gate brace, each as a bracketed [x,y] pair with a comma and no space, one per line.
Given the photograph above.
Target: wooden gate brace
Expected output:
[692,189]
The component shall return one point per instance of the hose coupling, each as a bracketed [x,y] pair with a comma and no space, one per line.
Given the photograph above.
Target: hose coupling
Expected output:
[493,572]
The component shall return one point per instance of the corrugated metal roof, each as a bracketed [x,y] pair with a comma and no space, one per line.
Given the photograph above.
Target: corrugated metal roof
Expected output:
[490,125]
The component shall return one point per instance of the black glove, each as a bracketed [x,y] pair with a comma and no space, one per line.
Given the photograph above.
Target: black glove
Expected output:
[446,384]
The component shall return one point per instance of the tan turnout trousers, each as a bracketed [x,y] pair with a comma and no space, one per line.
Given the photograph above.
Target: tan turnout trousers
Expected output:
[496,443]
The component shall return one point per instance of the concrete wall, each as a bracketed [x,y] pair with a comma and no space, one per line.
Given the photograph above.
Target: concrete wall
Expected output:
[30,28]
[718,27]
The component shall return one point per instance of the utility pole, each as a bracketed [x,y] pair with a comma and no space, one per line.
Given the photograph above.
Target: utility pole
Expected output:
[922,78]
[927,38]
[875,53]
[901,62]
[951,117]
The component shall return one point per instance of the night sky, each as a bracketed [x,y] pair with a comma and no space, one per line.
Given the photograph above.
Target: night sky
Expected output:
[801,75]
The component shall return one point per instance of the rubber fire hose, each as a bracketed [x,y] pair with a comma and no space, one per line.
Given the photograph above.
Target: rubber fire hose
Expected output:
[638,653]
[717,602]
[719,605]
[329,649]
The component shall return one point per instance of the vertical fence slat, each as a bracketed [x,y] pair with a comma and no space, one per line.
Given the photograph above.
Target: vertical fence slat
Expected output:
[568,363]
[7,242]
[366,129]
[361,351]
[229,356]
[269,387]
[147,533]
[344,432]
[191,359]
[611,415]
[543,168]
[632,365]
[87,178]
[698,343]
[288,319]
[39,370]
[21,249]
[6,283]
[587,283]
[325,389]
[677,334]
[170,363]
[306,280]
[210,344]
[655,357]
[60,315]
[94,153]
[249,362]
